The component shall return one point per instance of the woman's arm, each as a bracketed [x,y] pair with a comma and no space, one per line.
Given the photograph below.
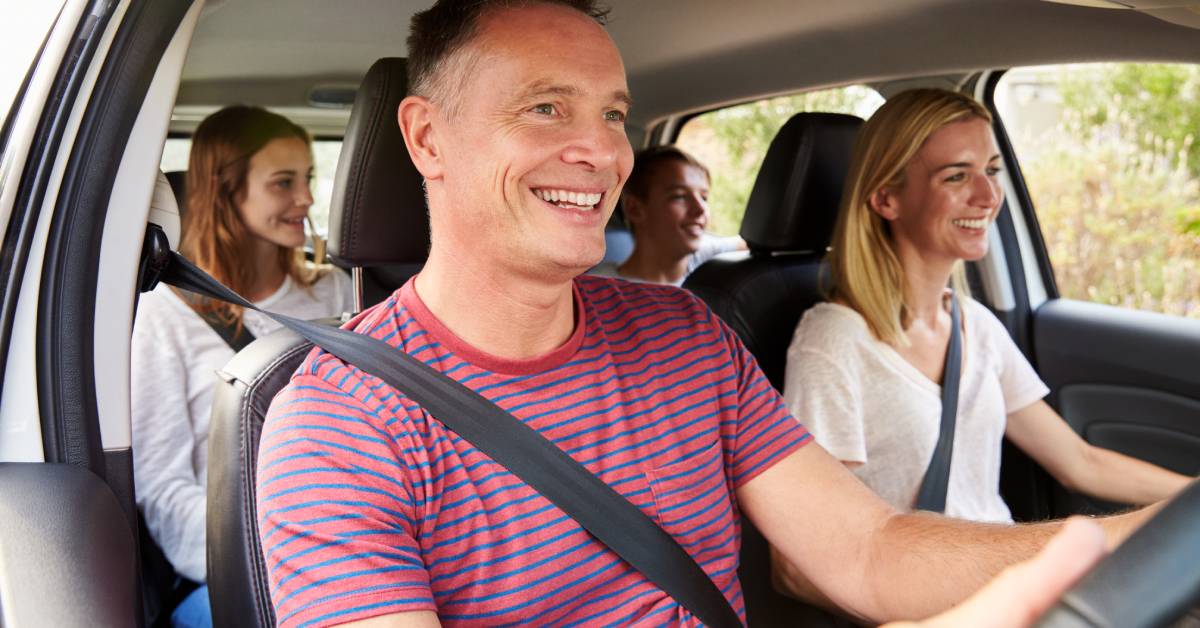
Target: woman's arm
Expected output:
[831,530]
[1040,432]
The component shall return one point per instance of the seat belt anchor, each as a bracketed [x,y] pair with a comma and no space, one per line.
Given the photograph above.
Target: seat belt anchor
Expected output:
[156,257]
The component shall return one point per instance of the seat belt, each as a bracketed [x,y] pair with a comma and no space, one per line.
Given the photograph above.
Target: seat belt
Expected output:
[932,494]
[234,335]
[596,506]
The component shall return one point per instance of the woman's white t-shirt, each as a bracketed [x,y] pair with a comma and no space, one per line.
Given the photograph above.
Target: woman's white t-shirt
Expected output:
[175,356]
[865,403]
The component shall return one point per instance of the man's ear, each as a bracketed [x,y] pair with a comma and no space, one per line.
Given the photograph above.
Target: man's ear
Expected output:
[885,203]
[416,118]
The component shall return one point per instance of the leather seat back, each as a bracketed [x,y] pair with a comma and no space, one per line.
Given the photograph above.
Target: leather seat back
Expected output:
[377,218]
[237,578]
[788,225]
[378,221]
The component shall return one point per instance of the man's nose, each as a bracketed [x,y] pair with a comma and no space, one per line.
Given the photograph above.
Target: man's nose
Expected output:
[597,144]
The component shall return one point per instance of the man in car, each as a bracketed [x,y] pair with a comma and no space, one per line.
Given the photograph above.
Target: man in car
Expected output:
[371,510]
[666,207]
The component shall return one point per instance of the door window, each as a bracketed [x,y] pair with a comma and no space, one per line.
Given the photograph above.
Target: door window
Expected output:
[1110,154]
[21,34]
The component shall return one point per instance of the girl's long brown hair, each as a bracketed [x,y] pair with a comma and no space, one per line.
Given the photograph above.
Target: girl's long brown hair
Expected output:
[214,236]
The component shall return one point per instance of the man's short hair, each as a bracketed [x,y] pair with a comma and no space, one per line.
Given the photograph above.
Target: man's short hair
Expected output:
[646,162]
[439,33]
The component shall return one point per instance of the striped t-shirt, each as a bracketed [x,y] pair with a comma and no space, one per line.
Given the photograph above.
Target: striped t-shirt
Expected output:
[369,506]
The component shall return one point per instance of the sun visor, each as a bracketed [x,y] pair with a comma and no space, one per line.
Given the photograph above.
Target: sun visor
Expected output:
[1181,12]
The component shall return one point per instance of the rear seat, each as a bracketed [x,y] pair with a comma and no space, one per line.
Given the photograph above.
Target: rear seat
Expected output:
[379,227]
[788,226]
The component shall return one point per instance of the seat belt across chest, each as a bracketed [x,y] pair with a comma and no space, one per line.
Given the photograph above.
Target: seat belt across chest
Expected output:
[596,506]
[932,494]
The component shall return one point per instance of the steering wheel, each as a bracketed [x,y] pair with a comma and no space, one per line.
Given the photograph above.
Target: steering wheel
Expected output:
[1150,580]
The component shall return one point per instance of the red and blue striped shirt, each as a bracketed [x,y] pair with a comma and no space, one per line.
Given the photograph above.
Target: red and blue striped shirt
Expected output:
[368,506]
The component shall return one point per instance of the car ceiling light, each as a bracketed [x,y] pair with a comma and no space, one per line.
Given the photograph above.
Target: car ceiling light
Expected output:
[332,96]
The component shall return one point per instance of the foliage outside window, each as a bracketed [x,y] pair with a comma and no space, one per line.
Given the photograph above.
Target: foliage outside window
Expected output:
[733,141]
[1111,157]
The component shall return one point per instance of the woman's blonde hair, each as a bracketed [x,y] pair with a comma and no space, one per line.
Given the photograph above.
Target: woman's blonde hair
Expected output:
[214,237]
[865,271]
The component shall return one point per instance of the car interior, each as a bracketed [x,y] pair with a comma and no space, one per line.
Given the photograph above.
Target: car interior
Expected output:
[142,74]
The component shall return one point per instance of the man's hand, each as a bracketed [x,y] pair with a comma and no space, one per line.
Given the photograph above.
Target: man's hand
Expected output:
[1023,592]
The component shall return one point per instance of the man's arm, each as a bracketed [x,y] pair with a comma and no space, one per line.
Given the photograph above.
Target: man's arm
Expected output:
[872,561]
[1023,593]
[1040,432]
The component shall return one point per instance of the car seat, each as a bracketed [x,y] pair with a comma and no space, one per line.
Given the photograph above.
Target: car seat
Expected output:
[379,228]
[788,226]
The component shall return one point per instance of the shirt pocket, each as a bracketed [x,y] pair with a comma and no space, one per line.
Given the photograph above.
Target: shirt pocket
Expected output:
[693,504]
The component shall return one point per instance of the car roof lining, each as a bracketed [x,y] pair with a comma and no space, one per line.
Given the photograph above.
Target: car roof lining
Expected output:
[681,55]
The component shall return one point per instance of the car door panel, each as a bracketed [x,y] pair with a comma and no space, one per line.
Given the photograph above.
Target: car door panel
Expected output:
[69,560]
[1125,380]
[1146,424]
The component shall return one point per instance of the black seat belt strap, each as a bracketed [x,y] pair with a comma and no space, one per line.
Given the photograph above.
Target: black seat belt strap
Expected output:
[234,332]
[596,506]
[234,335]
[932,495]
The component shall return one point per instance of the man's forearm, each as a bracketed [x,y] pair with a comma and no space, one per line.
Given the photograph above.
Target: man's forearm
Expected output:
[922,564]
[1022,593]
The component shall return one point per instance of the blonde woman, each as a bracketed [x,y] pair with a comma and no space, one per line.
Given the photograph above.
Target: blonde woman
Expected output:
[864,370]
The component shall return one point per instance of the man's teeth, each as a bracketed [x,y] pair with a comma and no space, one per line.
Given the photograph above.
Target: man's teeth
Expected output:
[564,197]
[978,223]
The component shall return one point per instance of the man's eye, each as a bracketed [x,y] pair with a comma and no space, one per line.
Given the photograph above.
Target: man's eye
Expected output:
[544,109]
[614,116]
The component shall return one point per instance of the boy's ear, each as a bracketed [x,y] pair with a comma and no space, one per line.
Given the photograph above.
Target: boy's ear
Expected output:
[416,116]
[633,209]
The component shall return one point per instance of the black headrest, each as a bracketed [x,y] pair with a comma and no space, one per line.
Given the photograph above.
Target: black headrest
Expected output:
[378,215]
[795,199]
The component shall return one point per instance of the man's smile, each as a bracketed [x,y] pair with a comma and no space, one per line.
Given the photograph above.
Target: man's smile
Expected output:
[570,199]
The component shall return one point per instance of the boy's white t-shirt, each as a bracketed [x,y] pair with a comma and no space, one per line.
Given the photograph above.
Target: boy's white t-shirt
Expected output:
[175,356]
[865,403]
[710,247]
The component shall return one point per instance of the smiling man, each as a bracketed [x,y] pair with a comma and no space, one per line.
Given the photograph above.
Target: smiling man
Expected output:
[372,511]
